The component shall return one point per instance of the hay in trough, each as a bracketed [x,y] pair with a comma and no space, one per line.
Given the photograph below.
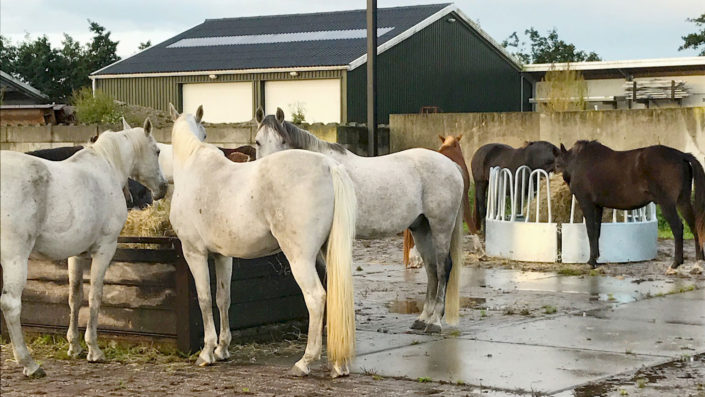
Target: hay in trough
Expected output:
[560,204]
[152,221]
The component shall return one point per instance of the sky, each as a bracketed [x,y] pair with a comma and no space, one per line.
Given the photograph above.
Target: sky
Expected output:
[615,29]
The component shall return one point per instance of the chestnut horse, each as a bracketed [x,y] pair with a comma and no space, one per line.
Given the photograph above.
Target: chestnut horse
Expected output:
[450,147]
[601,177]
[535,155]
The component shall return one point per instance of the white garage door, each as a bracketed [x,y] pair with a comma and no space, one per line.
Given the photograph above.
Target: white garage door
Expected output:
[222,102]
[318,99]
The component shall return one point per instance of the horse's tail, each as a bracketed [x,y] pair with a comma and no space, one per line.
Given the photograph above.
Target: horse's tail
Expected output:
[467,213]
[341,311]
[699,207]
[477,216]
[408,245]
[452,312]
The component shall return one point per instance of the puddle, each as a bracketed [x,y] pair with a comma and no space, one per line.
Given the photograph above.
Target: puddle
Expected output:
[412,306]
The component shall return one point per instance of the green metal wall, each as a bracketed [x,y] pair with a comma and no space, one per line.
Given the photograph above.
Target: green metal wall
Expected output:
[447,65]
[158,92]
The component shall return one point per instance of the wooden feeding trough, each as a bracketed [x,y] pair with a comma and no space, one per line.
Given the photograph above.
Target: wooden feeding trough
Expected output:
[149,293]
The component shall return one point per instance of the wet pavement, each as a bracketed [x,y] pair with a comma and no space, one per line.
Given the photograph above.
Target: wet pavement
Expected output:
[527,332]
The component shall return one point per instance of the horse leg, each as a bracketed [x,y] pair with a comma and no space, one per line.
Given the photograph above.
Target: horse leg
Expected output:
[14,279]
[198,265]
[686,209]
[480,203]
[304,272]
[592,225]
[671,214]
[223,275]
[444,263]
[424,243]
[99,265]
[76,265]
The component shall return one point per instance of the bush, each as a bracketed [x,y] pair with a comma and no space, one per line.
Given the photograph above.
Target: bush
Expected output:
[100,108]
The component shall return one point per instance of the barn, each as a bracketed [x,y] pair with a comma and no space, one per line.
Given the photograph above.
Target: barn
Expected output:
[431,58]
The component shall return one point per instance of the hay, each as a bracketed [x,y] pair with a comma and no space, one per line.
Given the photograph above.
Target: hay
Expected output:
[153,221]
[561,200]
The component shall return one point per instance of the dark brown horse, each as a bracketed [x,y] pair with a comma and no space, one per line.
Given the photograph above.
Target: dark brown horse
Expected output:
[244,154]
[535,155]
[600,177]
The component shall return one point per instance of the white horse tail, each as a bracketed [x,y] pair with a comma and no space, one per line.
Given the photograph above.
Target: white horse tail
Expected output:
[341,311]
[452,312]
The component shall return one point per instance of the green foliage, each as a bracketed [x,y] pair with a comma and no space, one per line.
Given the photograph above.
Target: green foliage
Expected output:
[697,39]
[145,45]
[298,115]
[100,108]
[57,72]
[546,49]
[664,230]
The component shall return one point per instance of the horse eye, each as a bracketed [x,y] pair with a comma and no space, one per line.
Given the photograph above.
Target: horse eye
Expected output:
[158,151]
[257,143]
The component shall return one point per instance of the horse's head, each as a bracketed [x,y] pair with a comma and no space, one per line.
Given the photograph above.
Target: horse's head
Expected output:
[564,162]
[540,155]
[449,141]
[272,135]
[146,166]
[189,121]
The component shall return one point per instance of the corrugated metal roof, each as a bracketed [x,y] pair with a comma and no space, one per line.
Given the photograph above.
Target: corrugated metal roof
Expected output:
[237,43]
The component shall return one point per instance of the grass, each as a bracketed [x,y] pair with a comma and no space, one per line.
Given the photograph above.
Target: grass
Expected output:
[570,271]
[664,230]
[641,383]
[56,347]
[548,309]
[424,379]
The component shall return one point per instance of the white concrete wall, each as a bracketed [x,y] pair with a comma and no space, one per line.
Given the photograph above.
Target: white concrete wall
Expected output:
[320,99]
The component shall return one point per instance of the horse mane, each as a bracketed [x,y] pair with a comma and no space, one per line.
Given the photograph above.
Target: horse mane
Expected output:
[108,145]
[299,138]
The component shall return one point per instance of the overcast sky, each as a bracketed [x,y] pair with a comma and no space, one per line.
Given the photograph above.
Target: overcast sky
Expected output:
[615,29]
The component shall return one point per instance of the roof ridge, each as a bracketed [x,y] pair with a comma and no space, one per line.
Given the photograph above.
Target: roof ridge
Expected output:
[324,12]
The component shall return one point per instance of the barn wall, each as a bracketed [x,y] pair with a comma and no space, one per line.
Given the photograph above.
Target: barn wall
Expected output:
[448,65]
[681,128]
[158,92]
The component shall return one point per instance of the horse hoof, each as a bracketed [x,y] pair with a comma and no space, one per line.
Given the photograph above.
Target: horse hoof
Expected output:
[222,354]
[36,374]
[418,324]
[95,356]
[75,352]
[433,329]
[297,372]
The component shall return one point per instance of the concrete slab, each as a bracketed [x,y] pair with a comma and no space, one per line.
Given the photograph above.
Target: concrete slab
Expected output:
[370,342]
[502,366]
[609,335]
[674,309]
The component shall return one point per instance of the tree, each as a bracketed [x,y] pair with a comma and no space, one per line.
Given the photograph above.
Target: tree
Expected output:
[145,45]
[546,49]
[101,51]
[58,72]
[695,40]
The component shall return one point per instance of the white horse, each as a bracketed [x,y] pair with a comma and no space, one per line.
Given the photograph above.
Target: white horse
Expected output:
[417,189]
[165,154]
[69,209]
[296,202]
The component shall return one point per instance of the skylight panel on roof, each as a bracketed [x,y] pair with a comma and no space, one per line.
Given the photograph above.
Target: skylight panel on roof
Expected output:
[277,38]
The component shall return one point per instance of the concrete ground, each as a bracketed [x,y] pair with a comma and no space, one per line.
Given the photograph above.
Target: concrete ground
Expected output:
[525,329]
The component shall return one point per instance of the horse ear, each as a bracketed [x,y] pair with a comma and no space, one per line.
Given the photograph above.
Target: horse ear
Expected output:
[459,137]
[147,126]
[280,115]
[125,126]
[563,149]
[259,115]
[173,112]
[199,113]
[441,138]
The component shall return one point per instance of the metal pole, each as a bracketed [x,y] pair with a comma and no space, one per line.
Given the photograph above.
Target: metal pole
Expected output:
[371,77]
